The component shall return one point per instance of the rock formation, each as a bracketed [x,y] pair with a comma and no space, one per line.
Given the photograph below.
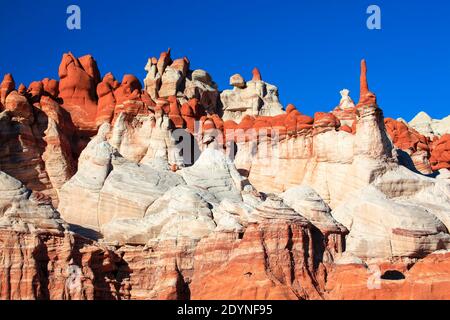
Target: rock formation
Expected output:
[167,78]
[429,127]
[415,147]
[440,155]
[77,89]
[253,98]
[114,190]
[37,141]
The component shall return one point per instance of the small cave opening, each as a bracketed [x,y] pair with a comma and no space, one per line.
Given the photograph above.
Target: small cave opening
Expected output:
[393,275]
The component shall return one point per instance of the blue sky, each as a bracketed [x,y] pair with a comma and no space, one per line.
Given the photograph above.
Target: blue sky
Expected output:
[309,49]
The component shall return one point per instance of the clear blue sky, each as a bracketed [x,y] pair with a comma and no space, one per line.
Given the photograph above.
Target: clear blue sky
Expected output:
[309,49]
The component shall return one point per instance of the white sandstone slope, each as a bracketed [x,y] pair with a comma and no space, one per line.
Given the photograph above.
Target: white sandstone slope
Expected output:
[181,212]
[383,228]
[429,127]
[107,186]
[80,195]
[214,172]
[191,209]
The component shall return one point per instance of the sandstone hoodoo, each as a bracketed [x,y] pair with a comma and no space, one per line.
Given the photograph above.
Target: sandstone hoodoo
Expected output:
[173,189]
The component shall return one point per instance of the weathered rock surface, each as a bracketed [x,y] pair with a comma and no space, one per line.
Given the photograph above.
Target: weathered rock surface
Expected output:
[162,198]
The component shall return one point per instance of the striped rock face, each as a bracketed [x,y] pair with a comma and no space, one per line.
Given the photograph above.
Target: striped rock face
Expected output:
[170,190]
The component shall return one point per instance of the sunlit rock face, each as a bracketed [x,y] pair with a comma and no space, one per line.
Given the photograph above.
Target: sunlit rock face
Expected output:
[166,78]
[429,127]
[172,190]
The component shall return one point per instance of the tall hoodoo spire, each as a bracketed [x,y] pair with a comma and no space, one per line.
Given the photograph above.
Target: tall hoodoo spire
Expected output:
[364,86]
[366,97]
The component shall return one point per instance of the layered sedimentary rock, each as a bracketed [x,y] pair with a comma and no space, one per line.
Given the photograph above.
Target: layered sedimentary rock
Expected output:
[35,249]
[37,139]
[426,279]
[346,111]
[309,204]
[162,198]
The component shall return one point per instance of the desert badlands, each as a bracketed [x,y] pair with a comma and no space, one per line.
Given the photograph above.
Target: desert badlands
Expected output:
[174,189]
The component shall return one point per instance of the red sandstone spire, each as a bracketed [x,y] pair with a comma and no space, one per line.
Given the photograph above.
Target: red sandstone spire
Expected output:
[366,97]
[364,86]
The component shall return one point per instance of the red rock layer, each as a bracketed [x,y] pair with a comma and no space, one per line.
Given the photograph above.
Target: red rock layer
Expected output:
[440,154]
[289,124]
[406,138]
[273,260]
[37,267]
[428,279]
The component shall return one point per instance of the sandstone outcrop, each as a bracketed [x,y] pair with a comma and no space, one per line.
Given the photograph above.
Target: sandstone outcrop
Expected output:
[77,88]
[310,205]
[416,147]
[369,159]
[429,127]
[111,186]
[167,77]
[36,136]
[424,280]
[382,227]
[254,98]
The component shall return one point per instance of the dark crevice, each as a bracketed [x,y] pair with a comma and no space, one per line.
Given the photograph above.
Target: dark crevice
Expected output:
[393,275]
